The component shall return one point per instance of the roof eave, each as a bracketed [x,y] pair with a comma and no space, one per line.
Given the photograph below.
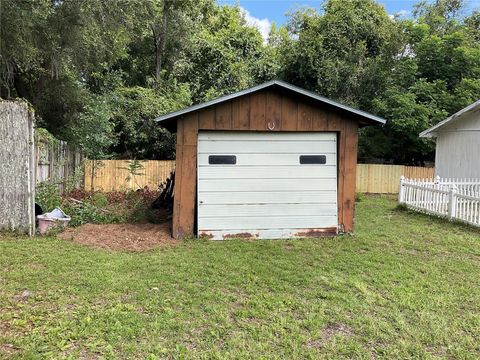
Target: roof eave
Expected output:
[432,132]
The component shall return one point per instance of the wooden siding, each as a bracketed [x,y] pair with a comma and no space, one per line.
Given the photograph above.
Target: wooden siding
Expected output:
[458,147]
[262,111]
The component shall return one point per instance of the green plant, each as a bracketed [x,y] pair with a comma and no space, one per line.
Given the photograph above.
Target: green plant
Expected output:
[359,196]
[98,199]
[47,195]
[134,168]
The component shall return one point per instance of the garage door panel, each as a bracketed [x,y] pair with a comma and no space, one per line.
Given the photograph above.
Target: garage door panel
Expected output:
[270,197]
[256,159]
[247,185]
[263,187]
[261,233]
[267,222]
[243,147]
[267,172]
[298,209]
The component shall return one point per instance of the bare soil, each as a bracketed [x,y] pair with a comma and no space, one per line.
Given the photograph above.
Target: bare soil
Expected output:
[126,237]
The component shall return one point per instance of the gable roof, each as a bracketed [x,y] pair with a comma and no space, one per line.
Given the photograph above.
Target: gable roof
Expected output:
[369,118]
[432,132]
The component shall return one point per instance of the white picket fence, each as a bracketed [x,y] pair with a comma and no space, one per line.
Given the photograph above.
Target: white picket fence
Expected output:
[452,198]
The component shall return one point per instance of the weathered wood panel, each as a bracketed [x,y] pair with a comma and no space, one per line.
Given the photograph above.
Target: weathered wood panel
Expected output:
[17,168]
[186,175]
[57,162]
[349,174]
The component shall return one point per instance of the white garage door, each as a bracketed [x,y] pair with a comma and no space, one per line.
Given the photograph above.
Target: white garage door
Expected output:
[266,185]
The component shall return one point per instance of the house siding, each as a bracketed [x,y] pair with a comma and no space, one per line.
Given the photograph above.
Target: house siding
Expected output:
[458,148]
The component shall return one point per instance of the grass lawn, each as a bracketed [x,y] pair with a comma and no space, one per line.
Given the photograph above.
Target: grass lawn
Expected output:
[406,285]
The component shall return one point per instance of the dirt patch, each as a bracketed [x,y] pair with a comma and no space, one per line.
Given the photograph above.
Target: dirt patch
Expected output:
[329,332]
[128,237]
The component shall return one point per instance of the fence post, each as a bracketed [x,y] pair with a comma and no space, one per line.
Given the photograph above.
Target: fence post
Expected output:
[452,201]
[401,191]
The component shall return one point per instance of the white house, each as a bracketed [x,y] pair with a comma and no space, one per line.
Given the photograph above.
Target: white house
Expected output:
[458,144]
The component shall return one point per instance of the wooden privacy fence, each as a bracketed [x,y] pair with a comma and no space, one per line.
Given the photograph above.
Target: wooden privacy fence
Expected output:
[56,162]
[117,175]
[457,199]
[113,175]
[384,179]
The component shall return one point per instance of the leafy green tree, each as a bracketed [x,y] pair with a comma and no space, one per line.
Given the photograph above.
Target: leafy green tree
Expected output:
[436,75]
[133,110]
[343,53]
[226,55]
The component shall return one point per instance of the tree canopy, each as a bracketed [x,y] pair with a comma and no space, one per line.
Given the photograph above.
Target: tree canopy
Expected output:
[99,72]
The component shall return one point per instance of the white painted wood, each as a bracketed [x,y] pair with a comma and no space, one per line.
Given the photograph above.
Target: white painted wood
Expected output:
[268,192]
[259,234]
[266,147]
[265,136]
[270,197]
[293,209]
[266,184]
[452,198]
[458,148]
[268,171]
[263,222]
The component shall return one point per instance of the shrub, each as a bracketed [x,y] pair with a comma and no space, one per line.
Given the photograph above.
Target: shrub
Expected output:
[47,196]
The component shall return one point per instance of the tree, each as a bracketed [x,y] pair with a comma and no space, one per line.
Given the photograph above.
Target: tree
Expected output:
[224,56]
[436,76]
[343,53]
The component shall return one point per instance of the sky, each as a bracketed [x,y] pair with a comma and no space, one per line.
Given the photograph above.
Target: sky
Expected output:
[261,13]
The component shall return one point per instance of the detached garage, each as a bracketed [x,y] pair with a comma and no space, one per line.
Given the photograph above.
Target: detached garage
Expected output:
[273,161]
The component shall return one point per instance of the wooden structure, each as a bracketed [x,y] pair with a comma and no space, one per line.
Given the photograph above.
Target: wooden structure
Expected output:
[457,143]
[371,178]
[57,162]
[114,175]
[273,107]
[383,179]
[455,199]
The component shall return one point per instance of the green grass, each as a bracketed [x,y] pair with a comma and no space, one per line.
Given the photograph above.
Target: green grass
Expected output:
[406,285]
